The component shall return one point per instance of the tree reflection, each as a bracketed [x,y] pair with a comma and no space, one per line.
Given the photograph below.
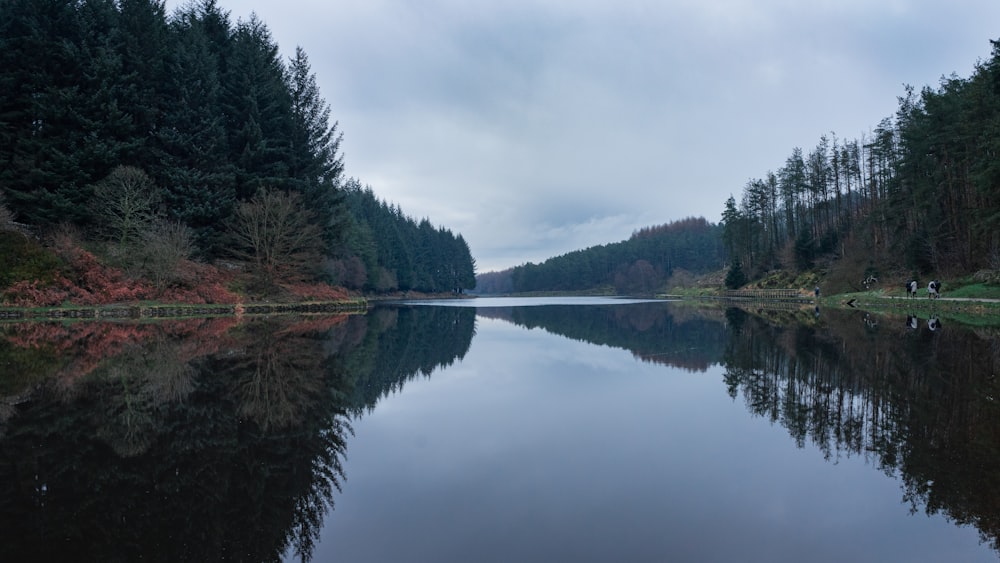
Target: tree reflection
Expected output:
[214,439]
[185,442]
[683,337]
[274,379]
[132,389]
[917,402]
[405,342]
[196,440]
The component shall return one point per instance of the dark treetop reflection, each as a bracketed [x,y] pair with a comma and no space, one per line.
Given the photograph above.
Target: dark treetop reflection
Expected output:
[918,401]
[196,440]
[226,439]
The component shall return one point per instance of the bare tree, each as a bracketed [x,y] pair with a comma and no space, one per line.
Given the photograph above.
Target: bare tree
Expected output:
[165,245]
[126,204]
[274,233]
[6,216]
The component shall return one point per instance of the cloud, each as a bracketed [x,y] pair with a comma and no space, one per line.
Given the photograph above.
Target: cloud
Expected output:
[533,128]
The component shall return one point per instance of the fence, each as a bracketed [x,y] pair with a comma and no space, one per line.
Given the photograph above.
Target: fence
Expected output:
[766,295]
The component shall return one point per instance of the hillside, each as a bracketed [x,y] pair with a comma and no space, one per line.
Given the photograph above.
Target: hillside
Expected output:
[643,264]
[166,150]
[917,198]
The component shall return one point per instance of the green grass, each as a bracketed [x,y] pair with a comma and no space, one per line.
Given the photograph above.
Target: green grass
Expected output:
[974,291]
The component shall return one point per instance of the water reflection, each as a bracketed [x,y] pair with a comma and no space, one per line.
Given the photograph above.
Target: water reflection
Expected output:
[659,332]
[919,403]
[219,439]
[195,440]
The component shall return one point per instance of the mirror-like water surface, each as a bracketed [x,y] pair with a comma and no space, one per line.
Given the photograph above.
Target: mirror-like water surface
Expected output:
[577,430]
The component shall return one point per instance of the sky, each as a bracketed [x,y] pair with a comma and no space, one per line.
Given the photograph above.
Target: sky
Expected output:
[535,128]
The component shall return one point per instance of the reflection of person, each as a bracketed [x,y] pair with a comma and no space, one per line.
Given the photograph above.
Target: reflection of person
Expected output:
[870,321]
[911,322]
[934,324]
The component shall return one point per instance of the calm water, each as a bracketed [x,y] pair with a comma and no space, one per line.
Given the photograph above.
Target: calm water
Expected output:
[527,430]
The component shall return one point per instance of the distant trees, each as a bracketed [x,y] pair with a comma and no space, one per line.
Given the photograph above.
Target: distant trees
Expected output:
[639,265]
[385,250]
[495,283]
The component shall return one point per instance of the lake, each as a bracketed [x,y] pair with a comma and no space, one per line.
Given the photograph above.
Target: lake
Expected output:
[573,429]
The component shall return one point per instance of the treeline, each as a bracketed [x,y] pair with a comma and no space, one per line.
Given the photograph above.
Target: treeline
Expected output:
[191,128]
[389,251]
[639,265]
[657,334]
[919,194]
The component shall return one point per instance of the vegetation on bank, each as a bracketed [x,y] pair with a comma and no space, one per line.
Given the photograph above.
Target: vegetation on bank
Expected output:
[62,273]
[181,158]
[917,198]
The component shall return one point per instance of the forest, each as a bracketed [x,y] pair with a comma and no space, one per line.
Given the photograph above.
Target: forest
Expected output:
[160,145]
[639,265]
[388,251]
[919,195]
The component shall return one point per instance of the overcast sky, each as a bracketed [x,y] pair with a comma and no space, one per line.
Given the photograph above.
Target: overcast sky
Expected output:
[534,128]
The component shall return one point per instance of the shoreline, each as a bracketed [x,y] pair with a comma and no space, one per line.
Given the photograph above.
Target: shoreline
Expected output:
[179,311]
[988,308]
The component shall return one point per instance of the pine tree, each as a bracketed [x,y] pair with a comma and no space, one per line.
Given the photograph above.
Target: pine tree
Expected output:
[58,115]
[142,42]
[735,278]
[316,163]
[257,106]
[191,147]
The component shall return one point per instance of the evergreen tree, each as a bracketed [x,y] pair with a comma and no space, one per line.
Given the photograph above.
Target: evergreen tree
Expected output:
[316,163]
[191,146]
[735,278]
[464,266]
[58,116]
[257,106]
[400,254]
[731,219]
[792,184]
[142,41]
